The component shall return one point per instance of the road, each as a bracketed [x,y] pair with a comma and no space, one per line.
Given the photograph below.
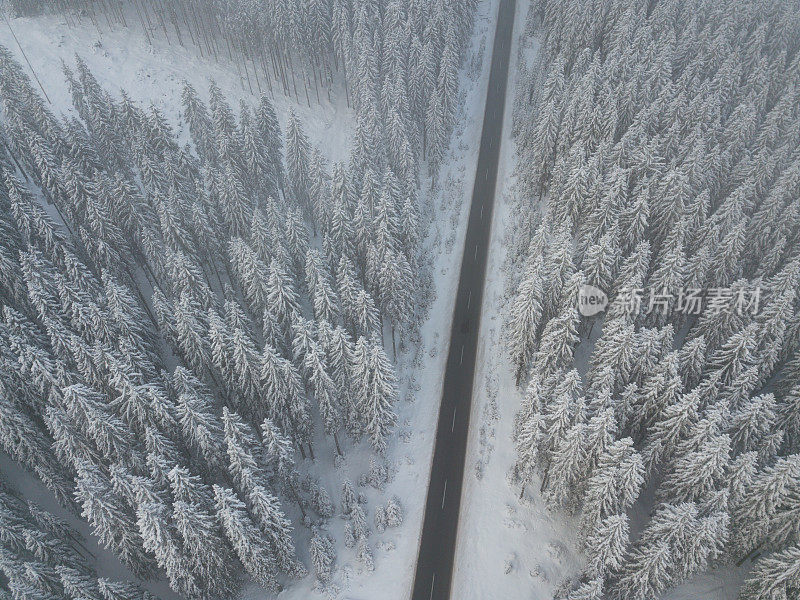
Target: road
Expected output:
[438,544]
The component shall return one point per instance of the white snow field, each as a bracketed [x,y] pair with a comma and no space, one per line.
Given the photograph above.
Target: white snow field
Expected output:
[123,59]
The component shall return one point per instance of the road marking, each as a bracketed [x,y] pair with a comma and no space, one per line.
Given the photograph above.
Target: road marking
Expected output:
[453,426]
[444,493]
[461,360]
[433,582]
[481,212]
[476,253]
[469,298]
[486,175]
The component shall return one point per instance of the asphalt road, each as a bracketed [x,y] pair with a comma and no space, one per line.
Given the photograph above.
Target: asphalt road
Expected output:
[438,544]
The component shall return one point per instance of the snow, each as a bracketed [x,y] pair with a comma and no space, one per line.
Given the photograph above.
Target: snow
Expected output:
[510,547]
[507,547]
[122,59]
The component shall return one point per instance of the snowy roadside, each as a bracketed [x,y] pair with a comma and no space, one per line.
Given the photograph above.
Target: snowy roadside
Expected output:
[506,548]
[420,370]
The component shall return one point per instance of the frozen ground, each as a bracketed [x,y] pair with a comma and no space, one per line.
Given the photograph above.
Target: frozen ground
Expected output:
[508,547]
[153,74]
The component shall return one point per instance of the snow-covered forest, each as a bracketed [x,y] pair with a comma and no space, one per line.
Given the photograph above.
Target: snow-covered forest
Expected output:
[658,162]
[178,320]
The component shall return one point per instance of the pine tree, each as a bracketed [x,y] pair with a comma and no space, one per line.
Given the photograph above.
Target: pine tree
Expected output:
[204,544]
[247,542]
[298,164]
[614,486]
[697,473]
[394,513]
[282,296]
[198,423]
[110,518]
[526,316]
[242,448]
[349,500]
[376,390]
[270,136]
[775,576]
[200,126]
[323,555]
[591,590]
[771,489]
[276,527]
[646,571]
[160,539]
[364,554]
[607,544]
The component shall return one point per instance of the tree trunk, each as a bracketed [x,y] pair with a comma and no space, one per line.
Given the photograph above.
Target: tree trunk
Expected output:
[160,14]
[299,503]
[545,481]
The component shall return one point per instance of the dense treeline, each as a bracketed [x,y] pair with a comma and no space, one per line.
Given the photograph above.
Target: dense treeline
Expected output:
[175,320]
[659,154]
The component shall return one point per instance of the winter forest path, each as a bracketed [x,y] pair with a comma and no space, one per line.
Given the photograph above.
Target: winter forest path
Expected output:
[438,544]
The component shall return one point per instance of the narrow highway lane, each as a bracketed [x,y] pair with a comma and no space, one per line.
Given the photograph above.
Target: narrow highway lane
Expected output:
[438,543]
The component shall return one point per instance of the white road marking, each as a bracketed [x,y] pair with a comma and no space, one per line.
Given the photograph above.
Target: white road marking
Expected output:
[433,581]
[461,360]
[481,212]
[476,253]
[444,493]
[486,175]
[469,299]
[453,426]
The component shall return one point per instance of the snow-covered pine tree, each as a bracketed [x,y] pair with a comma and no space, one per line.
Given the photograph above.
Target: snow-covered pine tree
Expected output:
[323,555]
[248,543]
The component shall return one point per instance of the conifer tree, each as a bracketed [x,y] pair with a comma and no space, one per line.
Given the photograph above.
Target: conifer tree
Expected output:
[323,555]
[247,542]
